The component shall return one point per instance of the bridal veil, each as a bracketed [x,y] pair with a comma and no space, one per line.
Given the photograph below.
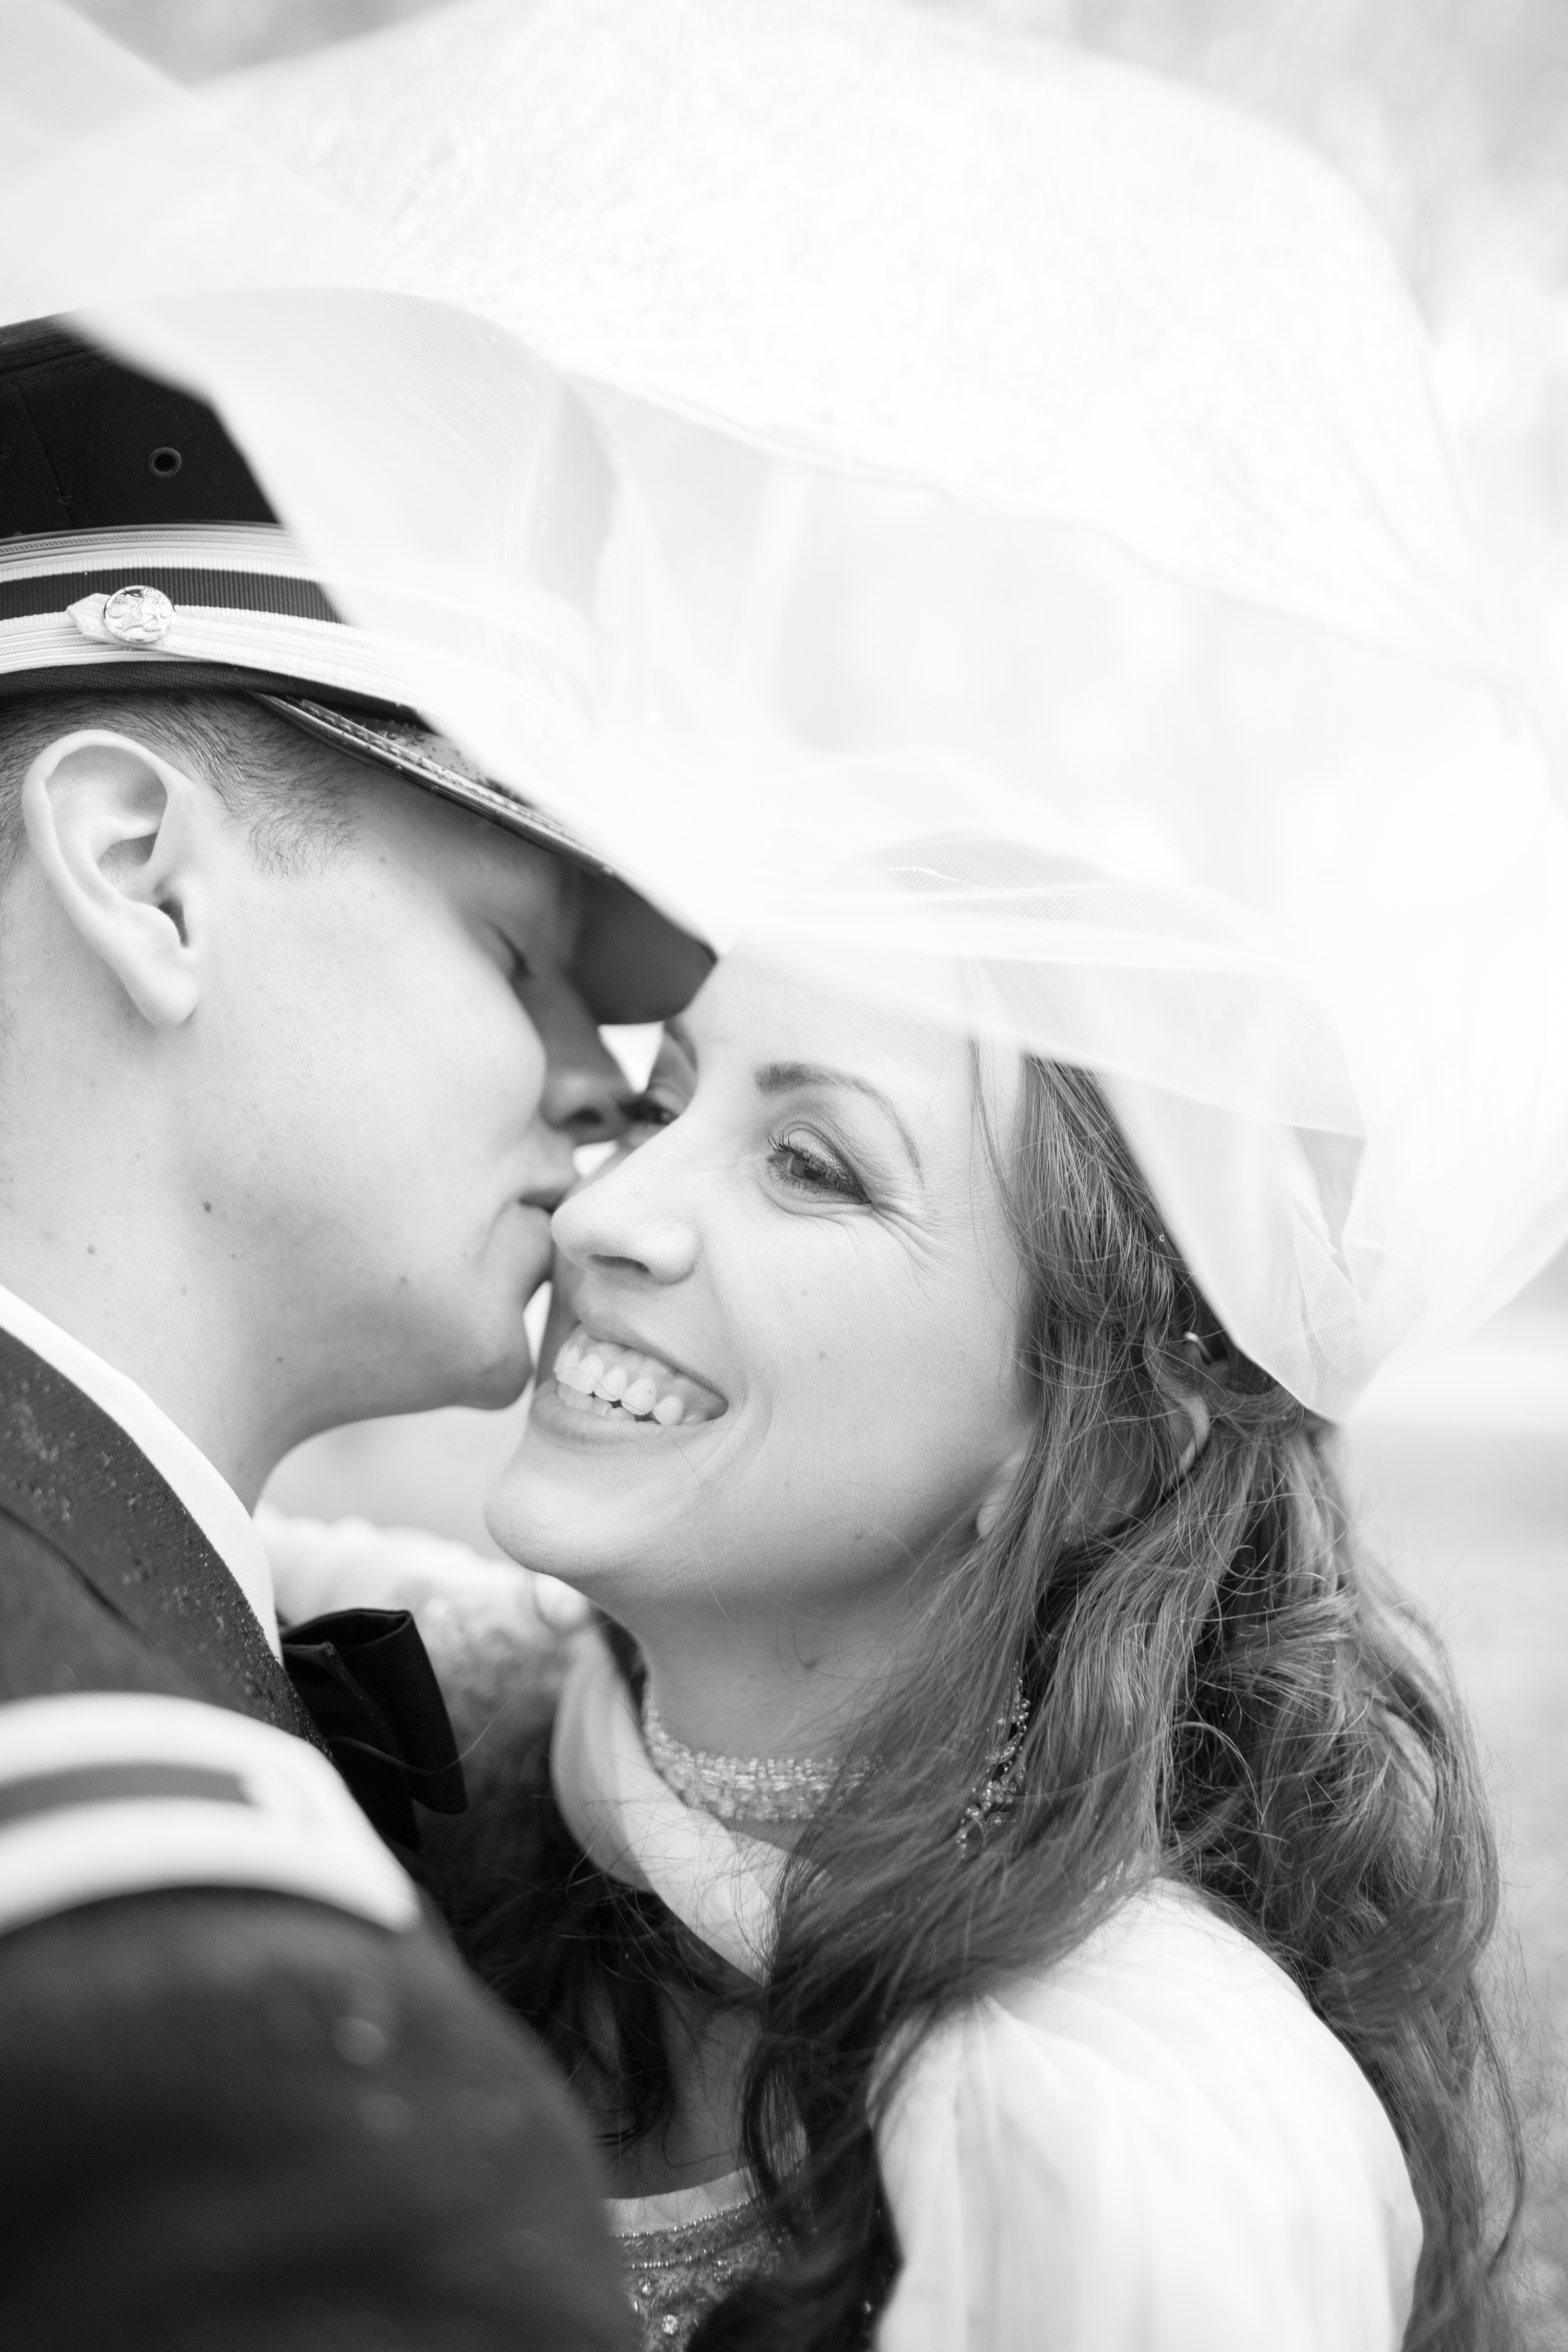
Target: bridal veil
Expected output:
[1040,594]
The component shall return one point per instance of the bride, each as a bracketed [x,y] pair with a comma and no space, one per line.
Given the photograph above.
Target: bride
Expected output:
[1005,1874]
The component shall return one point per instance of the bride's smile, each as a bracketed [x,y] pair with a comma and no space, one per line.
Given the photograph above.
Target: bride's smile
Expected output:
[806,1221]
[614,1380]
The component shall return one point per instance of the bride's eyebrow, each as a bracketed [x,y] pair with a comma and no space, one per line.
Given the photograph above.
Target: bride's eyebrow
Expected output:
[783,1078]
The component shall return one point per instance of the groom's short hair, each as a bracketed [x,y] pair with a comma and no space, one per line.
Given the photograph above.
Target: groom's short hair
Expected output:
[296,795]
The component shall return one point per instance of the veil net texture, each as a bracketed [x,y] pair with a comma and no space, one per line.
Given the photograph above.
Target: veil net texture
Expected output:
[1040,597]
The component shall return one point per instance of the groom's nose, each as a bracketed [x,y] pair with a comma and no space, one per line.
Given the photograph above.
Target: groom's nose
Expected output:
[585,1089]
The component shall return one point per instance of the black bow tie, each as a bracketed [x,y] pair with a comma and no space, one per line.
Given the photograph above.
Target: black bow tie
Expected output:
[366,1677]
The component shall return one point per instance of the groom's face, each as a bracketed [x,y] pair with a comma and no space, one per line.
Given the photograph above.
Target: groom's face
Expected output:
[403,1068]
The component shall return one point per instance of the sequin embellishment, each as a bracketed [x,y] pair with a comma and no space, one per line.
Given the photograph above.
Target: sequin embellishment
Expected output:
[675,2275]
[739,1788]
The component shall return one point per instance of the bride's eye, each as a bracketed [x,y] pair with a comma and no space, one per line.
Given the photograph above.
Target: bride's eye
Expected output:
[802,1166]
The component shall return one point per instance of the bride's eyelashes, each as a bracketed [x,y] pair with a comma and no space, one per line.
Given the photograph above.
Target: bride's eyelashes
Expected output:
[802,1165]
[801,1162]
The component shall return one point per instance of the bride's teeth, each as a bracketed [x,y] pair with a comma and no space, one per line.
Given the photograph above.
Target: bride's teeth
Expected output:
[643,1386]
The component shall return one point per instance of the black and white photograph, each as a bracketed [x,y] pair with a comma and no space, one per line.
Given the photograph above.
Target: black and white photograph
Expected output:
[783,1176]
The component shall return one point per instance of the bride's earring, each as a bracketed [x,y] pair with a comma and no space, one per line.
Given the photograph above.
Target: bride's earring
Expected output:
[1002,1784]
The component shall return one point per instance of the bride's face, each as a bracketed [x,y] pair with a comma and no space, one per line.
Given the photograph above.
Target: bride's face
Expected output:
[786,1318]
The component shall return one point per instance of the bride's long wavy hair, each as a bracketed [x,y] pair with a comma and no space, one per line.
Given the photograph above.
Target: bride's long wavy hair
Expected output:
[1221,1693]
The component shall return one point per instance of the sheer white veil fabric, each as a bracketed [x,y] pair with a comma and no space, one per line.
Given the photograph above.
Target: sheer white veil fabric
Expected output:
[1044,598]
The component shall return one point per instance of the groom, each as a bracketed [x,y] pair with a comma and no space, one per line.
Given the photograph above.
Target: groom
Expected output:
[298,1034]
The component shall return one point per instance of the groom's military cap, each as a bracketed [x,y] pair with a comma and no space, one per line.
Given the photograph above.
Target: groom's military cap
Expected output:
[139,551]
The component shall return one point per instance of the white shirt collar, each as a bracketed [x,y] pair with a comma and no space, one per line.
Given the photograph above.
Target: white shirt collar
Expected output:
[206,1493]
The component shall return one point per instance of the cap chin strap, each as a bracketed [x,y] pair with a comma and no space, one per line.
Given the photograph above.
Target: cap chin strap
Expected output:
[106,1793]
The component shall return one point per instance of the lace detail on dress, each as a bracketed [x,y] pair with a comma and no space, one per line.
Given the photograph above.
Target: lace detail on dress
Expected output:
[682,2253]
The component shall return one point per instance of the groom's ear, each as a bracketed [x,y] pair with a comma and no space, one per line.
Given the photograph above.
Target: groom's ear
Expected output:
[118,834]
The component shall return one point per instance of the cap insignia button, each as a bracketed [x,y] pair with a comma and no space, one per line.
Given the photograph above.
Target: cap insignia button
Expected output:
[138,616]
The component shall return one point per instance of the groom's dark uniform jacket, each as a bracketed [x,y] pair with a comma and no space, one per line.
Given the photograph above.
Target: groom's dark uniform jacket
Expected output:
[238,2118]
[244,2117]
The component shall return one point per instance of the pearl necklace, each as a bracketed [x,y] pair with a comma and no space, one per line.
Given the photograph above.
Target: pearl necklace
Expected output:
[738,1787]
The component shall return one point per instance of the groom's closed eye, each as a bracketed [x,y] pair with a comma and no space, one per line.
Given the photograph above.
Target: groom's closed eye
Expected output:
[651,1110]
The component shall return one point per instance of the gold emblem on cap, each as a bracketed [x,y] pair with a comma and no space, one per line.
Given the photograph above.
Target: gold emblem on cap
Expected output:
[138,616]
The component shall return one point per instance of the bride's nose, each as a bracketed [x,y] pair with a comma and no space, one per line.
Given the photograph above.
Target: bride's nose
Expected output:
[624,1222]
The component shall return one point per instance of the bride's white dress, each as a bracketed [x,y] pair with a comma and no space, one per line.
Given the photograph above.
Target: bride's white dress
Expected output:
[1153,2146]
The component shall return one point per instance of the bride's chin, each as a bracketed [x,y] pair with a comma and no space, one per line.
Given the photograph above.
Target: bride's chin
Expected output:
[584,1490]
[549,1510]
[533,1529]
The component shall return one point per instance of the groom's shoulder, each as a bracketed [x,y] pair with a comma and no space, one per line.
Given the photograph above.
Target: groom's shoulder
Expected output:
[106,1582]
[273,2110]
[234,2117]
